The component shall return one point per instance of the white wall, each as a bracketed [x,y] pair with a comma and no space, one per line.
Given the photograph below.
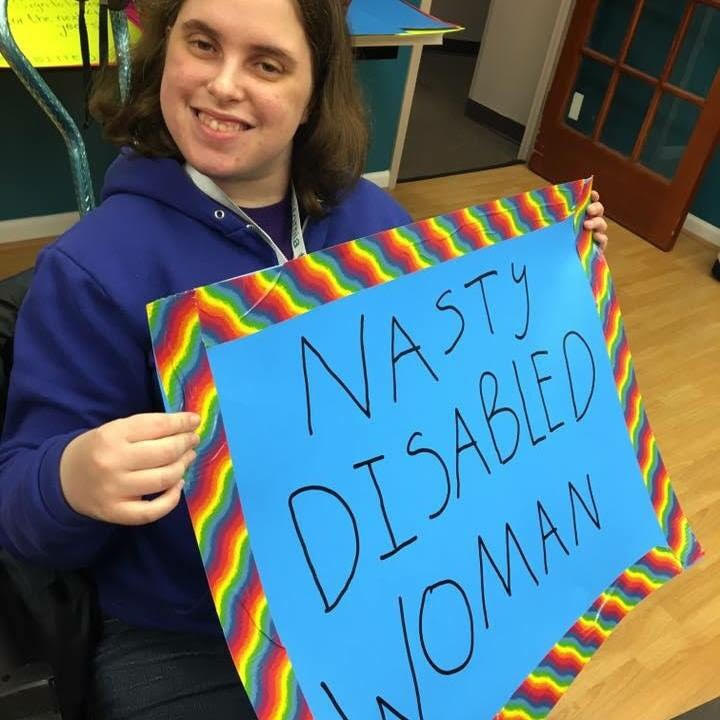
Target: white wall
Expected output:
[471,14]
[512,54]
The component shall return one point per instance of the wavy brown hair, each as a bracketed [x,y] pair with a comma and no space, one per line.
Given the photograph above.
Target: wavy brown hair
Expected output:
[329,149]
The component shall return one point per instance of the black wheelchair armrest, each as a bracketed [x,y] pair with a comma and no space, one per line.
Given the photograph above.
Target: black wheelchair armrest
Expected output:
[49,626]
[27,686]
[28,693]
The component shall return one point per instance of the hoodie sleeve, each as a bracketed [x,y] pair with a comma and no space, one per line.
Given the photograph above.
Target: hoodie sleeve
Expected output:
[76,366]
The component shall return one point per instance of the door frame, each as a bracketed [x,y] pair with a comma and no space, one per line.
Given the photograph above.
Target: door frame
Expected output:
[557,39]
[693,224]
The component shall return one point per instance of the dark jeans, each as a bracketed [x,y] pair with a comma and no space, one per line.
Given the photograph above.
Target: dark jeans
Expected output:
[154,675]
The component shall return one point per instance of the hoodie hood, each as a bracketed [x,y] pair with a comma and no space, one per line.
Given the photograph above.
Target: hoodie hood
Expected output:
[364,209]
[161,179]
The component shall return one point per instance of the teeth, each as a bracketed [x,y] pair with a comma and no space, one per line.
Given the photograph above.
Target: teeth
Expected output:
[220,126]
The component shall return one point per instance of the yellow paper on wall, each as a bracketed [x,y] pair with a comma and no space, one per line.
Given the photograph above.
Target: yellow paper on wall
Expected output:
[47,32]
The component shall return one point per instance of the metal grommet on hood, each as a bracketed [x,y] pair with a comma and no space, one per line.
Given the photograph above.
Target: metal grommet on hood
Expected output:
[219,214]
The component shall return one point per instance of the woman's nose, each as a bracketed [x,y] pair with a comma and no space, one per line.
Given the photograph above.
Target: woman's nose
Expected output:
[227,84]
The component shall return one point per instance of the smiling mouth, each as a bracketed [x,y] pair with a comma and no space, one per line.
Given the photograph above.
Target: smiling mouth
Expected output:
[223,126]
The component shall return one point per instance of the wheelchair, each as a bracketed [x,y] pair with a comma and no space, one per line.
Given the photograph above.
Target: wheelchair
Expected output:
[49,620]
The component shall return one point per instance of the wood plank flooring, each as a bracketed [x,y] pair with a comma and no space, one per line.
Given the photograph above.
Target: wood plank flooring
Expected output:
[17,256]
[664,658]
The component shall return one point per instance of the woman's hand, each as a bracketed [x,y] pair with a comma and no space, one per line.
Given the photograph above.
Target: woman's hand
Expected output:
[596,222]
[105,472]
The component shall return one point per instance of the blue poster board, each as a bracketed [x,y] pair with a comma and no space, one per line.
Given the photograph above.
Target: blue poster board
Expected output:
[394,446]
[426,486]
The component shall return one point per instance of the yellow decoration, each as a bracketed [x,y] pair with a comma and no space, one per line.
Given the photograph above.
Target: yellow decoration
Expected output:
[47,32]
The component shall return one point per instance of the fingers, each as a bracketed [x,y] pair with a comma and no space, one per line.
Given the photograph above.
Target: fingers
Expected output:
[595,209]
[156,480]
[105,472]
[601,240]
[596,224]
[152,426]
[142,512]
[146,454]
[594,196]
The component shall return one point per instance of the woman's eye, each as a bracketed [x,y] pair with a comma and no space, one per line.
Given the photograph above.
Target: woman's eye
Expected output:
[202,45]
[270,68]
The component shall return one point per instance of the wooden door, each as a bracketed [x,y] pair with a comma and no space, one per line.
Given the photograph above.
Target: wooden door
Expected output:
[635,101]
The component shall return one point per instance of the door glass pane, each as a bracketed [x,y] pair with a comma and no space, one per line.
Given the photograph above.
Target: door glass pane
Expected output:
[659,22]
[627,112]
[699,57]
[587,98]
[611,24]
[669,135]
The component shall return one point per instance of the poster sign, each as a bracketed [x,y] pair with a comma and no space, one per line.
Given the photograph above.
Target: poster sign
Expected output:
[47,31]
[427,486]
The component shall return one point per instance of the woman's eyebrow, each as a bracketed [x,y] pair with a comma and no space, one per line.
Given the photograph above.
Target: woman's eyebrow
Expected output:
[199,26]
[276,52]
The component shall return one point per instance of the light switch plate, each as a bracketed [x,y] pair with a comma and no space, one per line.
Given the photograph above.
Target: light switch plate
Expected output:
[575,106]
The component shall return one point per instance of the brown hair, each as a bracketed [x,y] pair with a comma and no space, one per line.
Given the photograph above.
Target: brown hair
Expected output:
[329,149]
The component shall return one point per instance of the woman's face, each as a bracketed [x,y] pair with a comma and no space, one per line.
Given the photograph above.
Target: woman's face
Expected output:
[237,83]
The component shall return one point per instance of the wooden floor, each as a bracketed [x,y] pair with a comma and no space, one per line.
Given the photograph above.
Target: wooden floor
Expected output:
[17,256]
[664,658]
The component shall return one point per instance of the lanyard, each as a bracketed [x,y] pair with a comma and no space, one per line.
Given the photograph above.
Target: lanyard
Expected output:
[296,232]
[297,241]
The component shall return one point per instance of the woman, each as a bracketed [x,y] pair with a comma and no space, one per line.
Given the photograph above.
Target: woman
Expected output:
[244,143]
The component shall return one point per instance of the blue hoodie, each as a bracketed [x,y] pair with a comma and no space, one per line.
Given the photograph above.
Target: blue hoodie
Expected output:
[83,357]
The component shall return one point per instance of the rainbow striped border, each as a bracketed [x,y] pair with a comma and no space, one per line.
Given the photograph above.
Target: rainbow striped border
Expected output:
[183,326]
